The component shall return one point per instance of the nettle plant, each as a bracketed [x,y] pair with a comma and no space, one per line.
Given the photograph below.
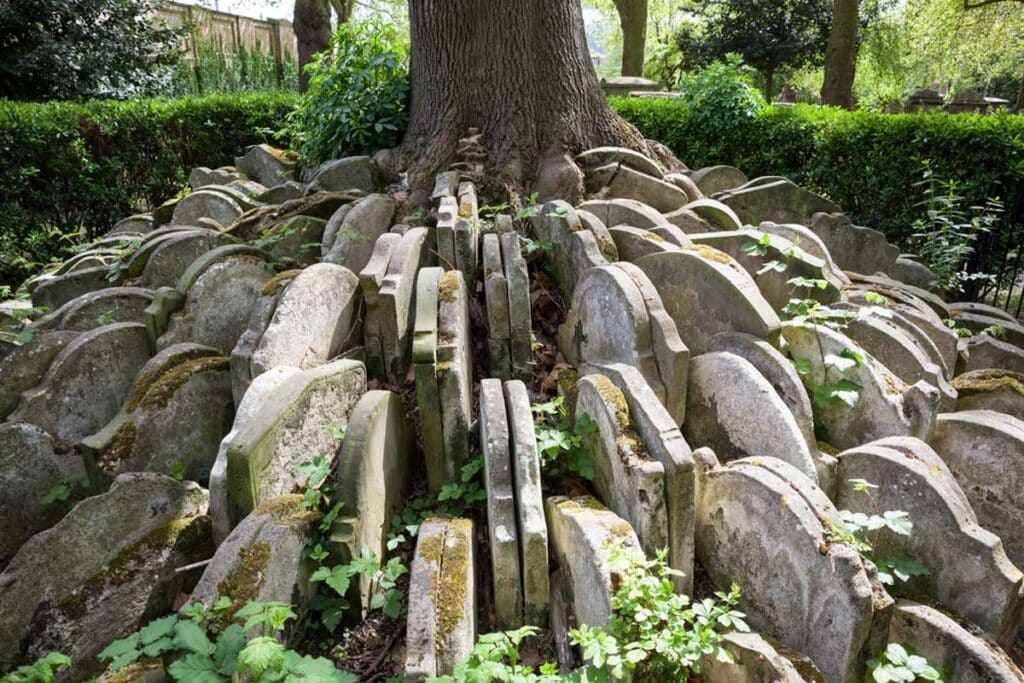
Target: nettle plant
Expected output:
[560,440]
[43,670]
[863,531]
[196,646]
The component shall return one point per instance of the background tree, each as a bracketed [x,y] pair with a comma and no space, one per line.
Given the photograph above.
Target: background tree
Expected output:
[841,55]
[72,49]
[770,35]
[521,73]
[633,19]
[311,20]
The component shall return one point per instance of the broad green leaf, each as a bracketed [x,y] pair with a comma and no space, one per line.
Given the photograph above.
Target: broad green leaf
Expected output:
[195,668]
[190,636]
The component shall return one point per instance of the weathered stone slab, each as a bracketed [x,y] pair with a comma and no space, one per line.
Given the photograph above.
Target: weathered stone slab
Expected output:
[263,559]
[602,156]
[662,440]
[186,385]
[467,232]
[446,184]
[280,194]
[424,357]
[171,258]
[334,223]
[102,571]
[779,372]
[672,356]
[805,238]
[980,309]
[779,201]
[624,182]
[774,284]
[732,409]
[673,235]
[714,179]
[268,165]
[454,370]
[557,224]
[520,317]
[985,452]
[350,173]
[609,323]
[53,292]
[705,292]
[882,405]
[95,309]
[370,280]
[886,285]
[206,204]
[626,478]
[998,390]
[581,530]
[86,383]
[295,240]
[442,599]
[397,300]
[24,366]
[634,243]
[447,215]
[292,425]
[532,529]
[218,306]
[998,327]
[907,269]
[968,570]
[315,320]
[714,212]
[496,297]
[985,352]
[900,354]
[202,176]
[372,478]
[262,312]
[501,506]
[28,468]
[615,212]
[689,222]
[368,219]
[754,660]
[686,184]
[855,248]
[962,656]
[765,526]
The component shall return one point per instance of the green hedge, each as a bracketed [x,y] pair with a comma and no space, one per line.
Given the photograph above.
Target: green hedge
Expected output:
[69,171]
[867,163]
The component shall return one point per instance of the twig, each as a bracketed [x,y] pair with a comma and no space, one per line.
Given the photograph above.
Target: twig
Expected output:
[194,565]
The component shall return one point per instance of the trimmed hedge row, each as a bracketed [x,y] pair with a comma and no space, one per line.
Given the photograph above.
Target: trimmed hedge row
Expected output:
[867,163]
[69,171]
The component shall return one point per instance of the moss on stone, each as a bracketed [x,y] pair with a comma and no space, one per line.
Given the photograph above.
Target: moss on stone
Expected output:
[614,397]
[121,448]
[288,509]
[448,287]
[148,376]
[654,237]
[984,381]
[136,672]
[162,390]
[709,253]
[827,448]
[242,584]
[452,590]
[275,283]
[581,504]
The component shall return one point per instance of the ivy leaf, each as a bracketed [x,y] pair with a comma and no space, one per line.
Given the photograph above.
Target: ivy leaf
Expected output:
[190,636]
[195,668]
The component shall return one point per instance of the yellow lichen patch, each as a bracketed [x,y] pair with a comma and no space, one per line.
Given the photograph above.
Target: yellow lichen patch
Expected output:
[451,587]
[827,448]
[288,508]
[448,287]
[620,529]
[983,381]
[614,397]
[242,584]
[581,504]
[122,446]
[161,392]
[709,253]
[654,237]
[275,283]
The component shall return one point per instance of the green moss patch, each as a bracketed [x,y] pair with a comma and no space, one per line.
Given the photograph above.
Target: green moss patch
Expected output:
[275,283]
[984,381]
[162,390]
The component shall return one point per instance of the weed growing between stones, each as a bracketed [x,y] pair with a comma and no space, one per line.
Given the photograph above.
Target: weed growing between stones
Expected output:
[899,663]
[560,440]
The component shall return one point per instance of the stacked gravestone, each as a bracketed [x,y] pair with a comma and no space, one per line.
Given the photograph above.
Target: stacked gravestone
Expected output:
[365,220]
[443,371]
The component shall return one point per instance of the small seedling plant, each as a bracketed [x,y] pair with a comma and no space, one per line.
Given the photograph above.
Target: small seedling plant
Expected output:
[654,633]
[863,532]
[495,657]
[43,670]
[561,440]
[899,663]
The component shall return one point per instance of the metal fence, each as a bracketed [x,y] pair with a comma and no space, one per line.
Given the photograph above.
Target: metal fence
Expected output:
[1001,253]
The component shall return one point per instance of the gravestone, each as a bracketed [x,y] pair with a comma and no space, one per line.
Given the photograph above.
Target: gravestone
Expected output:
[855,248]
[779,201]
[24,366]
[714,179]
[350,173]
[496,297]
[998,390]
[397,300]
[206,204]
[268,165]
[616,212]
[95,309]
[624,182]
[520,320]
[368,219]
[602,156]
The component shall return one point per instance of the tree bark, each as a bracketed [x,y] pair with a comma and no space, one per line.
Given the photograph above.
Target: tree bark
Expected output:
[520,72]
[769,84]
[633,19]
[312,24]
[841,55]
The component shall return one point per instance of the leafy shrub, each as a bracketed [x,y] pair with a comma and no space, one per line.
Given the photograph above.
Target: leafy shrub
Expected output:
[356,102]
[71,170]
[864,162]
[720,98]
[242,71]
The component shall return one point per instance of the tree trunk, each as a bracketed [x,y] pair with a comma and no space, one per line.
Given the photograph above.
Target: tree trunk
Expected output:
[312,24]
[633,19]
[769,84]
[841,55]
[520,72]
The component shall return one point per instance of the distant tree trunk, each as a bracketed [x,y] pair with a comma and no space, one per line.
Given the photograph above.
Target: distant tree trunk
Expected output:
[841,55]
[343,8]
[633,19]
[312,24]
[520,72]
[769,83]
